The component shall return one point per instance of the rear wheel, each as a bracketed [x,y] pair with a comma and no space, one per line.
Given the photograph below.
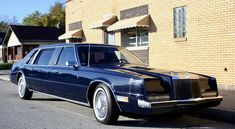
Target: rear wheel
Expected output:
[23,90]
[104,106]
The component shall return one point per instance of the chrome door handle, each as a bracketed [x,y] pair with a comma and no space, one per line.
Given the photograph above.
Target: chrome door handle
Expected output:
[55,71]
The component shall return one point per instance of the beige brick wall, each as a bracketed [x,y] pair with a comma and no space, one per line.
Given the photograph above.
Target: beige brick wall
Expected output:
[210,39]
[210,43]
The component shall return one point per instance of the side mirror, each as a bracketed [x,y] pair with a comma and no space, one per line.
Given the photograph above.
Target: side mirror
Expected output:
[72,64]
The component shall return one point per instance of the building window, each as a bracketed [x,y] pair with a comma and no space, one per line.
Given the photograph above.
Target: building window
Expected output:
[180,22]
[109,38]
[136,37]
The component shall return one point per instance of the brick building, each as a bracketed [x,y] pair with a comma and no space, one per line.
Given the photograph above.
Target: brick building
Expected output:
[191,35]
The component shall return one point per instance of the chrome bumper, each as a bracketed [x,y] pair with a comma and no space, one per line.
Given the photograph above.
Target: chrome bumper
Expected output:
[170,103]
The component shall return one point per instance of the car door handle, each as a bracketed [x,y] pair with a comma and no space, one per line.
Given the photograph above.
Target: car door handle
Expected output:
[55,72]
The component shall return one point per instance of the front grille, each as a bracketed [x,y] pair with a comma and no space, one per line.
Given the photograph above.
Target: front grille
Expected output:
[186,88]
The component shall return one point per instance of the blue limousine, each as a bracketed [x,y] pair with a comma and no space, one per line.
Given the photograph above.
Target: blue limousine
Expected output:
[112,81]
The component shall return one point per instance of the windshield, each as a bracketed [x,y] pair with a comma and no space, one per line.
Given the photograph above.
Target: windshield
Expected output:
[107,55]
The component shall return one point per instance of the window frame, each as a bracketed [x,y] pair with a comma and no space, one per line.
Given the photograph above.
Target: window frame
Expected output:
[33,57]
[137,43]
[180,22]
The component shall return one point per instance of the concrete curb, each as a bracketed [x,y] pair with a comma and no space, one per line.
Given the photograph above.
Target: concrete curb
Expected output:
[226,87]
[4,78]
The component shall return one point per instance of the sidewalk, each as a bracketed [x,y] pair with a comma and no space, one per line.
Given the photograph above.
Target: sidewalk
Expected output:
[225,111]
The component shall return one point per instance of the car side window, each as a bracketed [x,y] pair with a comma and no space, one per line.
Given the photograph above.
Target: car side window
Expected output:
[44,57]
[67,54]
[83,55]
[30,61]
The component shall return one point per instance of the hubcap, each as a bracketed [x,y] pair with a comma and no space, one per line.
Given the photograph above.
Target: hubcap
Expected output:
[101,104]
[21,87]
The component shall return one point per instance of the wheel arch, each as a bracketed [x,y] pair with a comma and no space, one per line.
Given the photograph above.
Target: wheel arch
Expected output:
[91,90]
[18,75]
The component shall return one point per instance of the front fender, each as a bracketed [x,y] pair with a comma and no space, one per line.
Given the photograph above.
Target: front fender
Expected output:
[97,81]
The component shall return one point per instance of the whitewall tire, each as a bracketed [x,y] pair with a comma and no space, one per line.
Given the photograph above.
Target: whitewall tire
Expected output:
[104,105]
[23,90]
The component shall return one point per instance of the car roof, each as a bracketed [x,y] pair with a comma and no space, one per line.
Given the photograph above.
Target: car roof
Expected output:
[76,44]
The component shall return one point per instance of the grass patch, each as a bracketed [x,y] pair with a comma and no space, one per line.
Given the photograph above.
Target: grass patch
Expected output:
[5,66]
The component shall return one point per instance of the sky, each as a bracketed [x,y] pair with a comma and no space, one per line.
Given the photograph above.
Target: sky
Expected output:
[22,8]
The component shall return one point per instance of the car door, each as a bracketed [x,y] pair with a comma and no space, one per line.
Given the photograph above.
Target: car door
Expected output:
[28,67]
[64,78]
[40,69]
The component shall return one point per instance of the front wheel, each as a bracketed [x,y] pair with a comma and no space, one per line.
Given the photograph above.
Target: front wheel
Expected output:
[23,90]
[104,106]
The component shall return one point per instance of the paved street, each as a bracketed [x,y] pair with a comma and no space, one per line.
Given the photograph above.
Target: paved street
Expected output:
[43,112]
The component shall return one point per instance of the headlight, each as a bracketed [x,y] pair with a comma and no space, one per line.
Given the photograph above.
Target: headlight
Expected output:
[155,90]
[153,86]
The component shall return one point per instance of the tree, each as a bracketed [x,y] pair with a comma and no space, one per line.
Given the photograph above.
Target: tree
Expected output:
[33,19]
[5,21]
[3,26]
[55,17]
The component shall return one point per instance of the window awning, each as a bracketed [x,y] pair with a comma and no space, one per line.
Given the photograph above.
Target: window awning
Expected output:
[104,22]
[141,21]
[71,34]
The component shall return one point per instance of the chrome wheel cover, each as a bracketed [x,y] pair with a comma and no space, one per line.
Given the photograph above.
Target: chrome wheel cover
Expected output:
[21,86]
[100,104]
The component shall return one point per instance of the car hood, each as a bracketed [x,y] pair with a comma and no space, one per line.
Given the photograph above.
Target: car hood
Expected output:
[144,72]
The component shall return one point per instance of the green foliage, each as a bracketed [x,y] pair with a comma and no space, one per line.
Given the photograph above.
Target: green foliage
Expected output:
[33,19]
[5,66]
[5,21]
[55,17]
[3,26]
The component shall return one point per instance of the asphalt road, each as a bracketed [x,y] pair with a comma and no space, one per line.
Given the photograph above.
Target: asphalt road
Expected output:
[43,112]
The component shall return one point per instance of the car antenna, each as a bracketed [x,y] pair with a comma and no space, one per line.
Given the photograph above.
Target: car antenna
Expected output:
[89,51]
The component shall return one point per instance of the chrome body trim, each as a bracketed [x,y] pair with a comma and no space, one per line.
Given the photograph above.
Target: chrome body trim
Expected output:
[188,100]
[69,100]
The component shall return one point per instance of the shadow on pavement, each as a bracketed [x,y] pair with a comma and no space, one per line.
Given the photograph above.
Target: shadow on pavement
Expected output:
[164,122]
[217,115]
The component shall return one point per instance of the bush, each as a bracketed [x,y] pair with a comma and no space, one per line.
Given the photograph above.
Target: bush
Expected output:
[4,66]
